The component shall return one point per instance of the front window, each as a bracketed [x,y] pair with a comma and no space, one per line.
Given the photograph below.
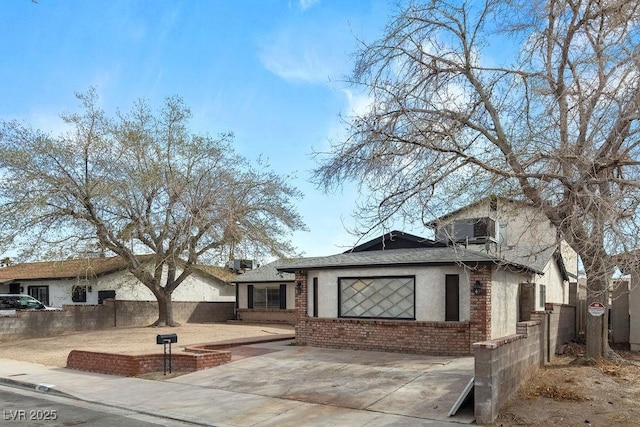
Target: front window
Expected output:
[79,294]
[377,297]
[543,296]
[266,297]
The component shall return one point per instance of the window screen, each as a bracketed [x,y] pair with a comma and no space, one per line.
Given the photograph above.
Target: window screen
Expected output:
[378,297]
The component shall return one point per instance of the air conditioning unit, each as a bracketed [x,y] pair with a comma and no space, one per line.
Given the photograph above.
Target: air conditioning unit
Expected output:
[240,264]
[470,230]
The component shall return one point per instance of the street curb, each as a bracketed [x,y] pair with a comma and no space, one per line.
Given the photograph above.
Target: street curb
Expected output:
[50,389]
[39,388]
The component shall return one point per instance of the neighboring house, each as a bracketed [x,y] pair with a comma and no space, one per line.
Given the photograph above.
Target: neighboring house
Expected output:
[409,294]
[265,295]
[90,280]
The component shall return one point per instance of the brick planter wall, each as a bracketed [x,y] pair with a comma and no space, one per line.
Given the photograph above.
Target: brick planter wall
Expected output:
[434,338]
[129,365]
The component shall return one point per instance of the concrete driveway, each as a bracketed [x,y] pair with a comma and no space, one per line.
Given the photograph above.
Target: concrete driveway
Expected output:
[422,387]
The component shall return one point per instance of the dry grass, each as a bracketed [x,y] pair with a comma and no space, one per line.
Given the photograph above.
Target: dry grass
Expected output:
[568,392]
[556,392]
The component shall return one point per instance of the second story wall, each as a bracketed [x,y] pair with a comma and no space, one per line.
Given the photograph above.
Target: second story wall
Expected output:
[517,225]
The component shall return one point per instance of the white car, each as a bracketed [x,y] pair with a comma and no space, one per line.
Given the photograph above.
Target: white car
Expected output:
[10,303]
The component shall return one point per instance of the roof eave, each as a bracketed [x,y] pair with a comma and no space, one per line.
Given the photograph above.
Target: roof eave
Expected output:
[404,264]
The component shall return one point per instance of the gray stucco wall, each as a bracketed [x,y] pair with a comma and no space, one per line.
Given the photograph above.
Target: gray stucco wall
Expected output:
[429,289]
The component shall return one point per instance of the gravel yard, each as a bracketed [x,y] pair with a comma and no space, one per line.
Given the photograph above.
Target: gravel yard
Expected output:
[53,351]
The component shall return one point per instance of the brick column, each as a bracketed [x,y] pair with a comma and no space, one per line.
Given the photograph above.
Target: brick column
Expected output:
[301,306]
[480,306]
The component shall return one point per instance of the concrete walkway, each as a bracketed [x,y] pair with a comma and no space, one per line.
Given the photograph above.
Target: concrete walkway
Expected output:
[283,386]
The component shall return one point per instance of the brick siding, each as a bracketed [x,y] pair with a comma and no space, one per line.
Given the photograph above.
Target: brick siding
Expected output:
[301,305]
[434,338]
[267,315]
[480,305]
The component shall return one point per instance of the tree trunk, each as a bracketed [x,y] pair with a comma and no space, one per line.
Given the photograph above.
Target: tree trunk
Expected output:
[596,326]
[597,331]
[165,309]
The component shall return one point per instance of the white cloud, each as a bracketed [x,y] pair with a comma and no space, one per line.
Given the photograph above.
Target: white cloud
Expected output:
[303,64]
[309,50]
[306,4]
[357,103]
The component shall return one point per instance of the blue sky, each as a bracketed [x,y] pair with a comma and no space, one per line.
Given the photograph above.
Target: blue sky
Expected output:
[271,71]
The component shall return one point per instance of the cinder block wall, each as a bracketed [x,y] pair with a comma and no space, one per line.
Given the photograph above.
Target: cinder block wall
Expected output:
[41,323]
[501,365]
[142,313]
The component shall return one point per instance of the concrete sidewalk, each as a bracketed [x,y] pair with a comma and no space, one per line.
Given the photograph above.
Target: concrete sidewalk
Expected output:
[223,396]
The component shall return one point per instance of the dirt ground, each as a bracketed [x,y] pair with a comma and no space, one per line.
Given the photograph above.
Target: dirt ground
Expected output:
[569,393]
[53,351]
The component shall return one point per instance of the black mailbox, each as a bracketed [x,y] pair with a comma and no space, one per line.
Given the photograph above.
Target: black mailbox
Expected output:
[166,339]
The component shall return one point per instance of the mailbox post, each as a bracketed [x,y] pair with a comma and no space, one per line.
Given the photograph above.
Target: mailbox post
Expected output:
[165,339]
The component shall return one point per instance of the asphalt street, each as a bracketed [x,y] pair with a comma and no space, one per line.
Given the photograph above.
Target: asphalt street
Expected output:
[22,407]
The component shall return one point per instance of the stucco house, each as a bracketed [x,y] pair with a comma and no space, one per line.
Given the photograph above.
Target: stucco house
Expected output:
[265,295]
[484,272]
[90,280]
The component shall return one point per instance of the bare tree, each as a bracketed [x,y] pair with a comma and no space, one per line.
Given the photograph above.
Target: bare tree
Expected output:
[533,100]
[139,183]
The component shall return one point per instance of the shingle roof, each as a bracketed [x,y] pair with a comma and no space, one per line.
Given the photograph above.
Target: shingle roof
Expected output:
[416,256]
[266,273]
[65,269]
[395,240]
[536,257]
[85,268]
[222,273]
